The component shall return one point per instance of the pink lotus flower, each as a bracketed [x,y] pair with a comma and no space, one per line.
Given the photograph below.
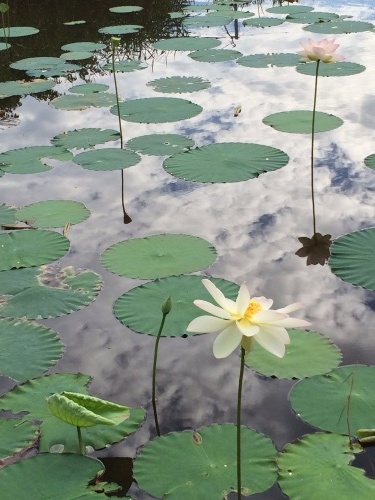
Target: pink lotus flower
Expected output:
[320,50]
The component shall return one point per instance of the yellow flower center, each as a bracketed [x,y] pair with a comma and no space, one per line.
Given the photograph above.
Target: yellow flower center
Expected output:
[253,308]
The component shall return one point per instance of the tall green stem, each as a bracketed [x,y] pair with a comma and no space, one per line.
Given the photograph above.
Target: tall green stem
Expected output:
[312,145]
[239,399]
[82,448]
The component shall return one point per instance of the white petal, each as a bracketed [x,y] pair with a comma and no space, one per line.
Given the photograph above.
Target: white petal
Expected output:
[291,323]
[246,328]
[243,299]
[216,294]
[265,303]
[226,342]
[207,324]
[273,340]
[291,308]
[210,308]
[268,317]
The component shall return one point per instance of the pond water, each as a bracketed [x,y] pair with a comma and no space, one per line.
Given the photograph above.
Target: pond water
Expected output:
[254,225]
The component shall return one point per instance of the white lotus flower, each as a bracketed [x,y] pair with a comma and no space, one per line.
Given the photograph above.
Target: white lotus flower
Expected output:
[243,320]
[320,50]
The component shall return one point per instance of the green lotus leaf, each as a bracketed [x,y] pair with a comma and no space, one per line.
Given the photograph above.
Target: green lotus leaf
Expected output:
[156,110]
[263,22]
[47,291]
[210,20]
[79,102]
[15,438]
[299,122]
[338,27]
[76,56]
[311,17]
[4,46]
[53,213]
[318,464]
[203,6]
[17,31]
[215,55]
[336,69]
[84,46]
[27,349]
[36,63]
[237,14]
[8,89]
[61,69]
[122,9]
[158,255]
[308,354]
[73,23]
[127,66]
[178,84]
[107,159]
[225,162]
[187,43]
[349,390]
[289,9]
[160,144]
[353,258]
[31,248]
[176,15]
[370,161]
[60,477]
[202,464]
[32,160]
[123,29]
[83,410]
[130,308]
[88,88]
[7,214]
[269,60]
[84,138]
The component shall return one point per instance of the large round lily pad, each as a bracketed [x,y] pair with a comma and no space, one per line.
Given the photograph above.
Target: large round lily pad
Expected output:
[269,60]
[61,69]
[158,256]
[8,89]
[31,248]
[31,160]
[88,88]
[130,308]
[126,66]
[308,354]
[84,138]
[311,17]
[215,55]
[210,20]
[338,27]
[123,9]
[341,68]
[289,9]
[76,56]
[156,110]
[349,391]
[300,122]
[160,144]
[17,31]
[4,46]
[123,29]
[187,43]
[41,63]
[53,213]
[353,258]
[27,349]
[178,84]
[84,46]
[263,22]
[80,102]
[202,463]
[107,159]
[318,465]
[225,162]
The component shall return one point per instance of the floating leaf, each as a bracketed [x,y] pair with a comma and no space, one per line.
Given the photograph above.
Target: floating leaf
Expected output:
[160,144]
[187,43]
[79,102]
[341,68]
[53,213]
[84,46]
[156,110]
[179,84]
[36,63]
[8,89]
[158,255]
[4,46]
[202,464]
[339,27]
[31,248]
[16,31]
[7,214]
[353,258]
[289,9]
[107,159]
[122,9]
[225,162]
[123,29]
[72,23]
[76,56]
[215,55]
[263,22]
[15,438]
[27,349]
[85,138]
[299,122]
[347,385]
[61,69]
[269,60]
[126,66]
[209,20]
[318,464]
[47,291]
[370,161]
[88,88]
[311,17]
[29,160]
[308,354]
[130,308]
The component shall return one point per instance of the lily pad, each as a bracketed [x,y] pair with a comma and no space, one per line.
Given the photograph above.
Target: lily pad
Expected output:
[4,46]
[84,46]
[127,66]
[53,213]
[156,110]
[178,84]
[36,63]
[187,43]
[289,9]
[225,162]
[123,29]
[318,464]
[80,102]
[158,255]
[32,160]
[215,55]
[107,159]
[308,354]
[31,397]
[202,464]
[339,27]
[47,292]
[269,60]
[122,9]
[31,248]
[263,22]
[300,122]
[8,89]
[61,69]
[73,23]
[17,31]
[370,161]
[76,56]
[84,138]
[130,308]
[347,385]
[160,144]
[210,20]
[353,258]
[27,349]
[341,68]
[88,88]
[311,17]
[15,438]
[7,214]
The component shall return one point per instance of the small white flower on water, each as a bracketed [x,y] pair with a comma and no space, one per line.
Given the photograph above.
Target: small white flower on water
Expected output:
[243,320]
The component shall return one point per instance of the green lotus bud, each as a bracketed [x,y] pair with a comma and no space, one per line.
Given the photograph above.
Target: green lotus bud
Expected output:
[167,306]
[115,41]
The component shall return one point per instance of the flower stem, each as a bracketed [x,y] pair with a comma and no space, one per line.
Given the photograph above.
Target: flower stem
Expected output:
[239,396]
[82,448]
[312,145]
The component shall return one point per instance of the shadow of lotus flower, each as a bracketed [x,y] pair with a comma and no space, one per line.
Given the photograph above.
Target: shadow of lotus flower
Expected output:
[316,249]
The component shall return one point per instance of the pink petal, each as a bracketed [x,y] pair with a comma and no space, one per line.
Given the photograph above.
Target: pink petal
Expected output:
[226,342]
[207,324]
